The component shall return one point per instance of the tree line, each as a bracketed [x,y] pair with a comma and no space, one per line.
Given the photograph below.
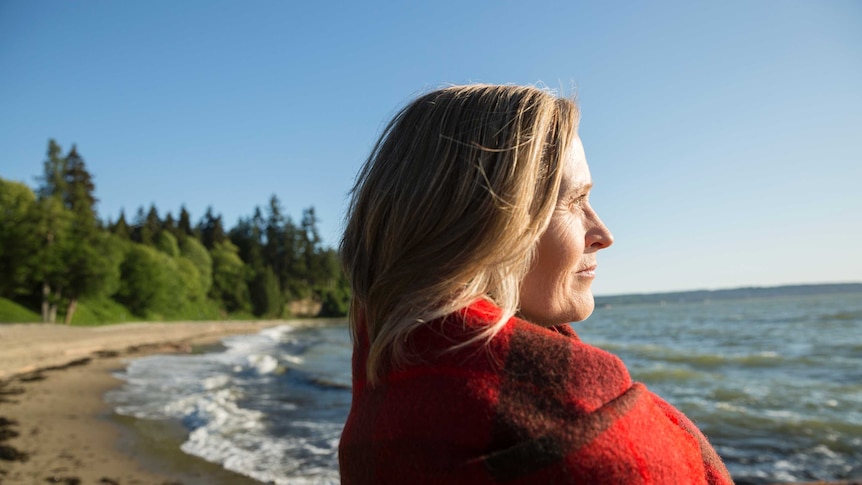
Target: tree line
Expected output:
[56,252]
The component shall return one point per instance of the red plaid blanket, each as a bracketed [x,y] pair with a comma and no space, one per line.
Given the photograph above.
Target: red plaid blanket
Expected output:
[535,406]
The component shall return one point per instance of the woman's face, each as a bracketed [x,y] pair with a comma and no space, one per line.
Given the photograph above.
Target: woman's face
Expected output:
[557,290]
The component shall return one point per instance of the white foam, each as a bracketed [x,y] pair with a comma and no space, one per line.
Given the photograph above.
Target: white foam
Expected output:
[205,392]
[263,457]
[262,363]
[726,406]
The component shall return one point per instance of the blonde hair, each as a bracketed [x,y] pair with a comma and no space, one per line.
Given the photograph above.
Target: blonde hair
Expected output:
[448,209]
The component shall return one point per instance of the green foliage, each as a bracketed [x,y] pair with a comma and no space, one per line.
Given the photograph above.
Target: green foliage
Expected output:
[101,311]
[267,299]
[151,284]
[335,302]
[121,227]
[17,206]
[50,237]
[247,237]
[184,225]
[195,252]
[335,297]
[91,262]
[56,256]
[53,172]
[167,243]
[11,312]
[169,225]
[229,278]
[190,279]
[78,192]
[211,230]
[148,227]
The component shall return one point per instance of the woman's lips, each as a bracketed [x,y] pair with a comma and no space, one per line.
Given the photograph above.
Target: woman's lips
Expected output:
[587,272]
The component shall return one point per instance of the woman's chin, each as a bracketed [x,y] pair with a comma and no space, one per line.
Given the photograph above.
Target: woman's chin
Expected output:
[582,309]
[574,309]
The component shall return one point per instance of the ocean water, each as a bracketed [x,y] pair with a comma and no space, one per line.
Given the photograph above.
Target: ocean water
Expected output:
[775,383]
[270,406]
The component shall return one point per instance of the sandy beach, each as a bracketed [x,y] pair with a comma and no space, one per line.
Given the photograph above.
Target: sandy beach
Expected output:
[54,424]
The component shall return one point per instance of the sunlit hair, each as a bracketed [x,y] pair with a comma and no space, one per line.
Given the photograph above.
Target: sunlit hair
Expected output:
[448,209]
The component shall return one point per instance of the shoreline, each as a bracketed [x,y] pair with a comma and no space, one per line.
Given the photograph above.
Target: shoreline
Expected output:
[55,426]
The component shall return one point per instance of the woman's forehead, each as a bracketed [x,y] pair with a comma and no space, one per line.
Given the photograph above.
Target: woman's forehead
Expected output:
[576,172]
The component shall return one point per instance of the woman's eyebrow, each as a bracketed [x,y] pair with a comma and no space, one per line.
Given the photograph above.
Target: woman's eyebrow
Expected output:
[576,188]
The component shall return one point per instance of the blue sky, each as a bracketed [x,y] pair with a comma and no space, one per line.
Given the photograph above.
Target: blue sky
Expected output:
[725,138]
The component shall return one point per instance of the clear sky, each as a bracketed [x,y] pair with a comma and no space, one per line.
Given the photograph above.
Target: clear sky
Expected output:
[725,138]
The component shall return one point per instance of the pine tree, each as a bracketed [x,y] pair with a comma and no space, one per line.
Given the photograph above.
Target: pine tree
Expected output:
[51,222]
[247,239]
[170,225]
[280,250]
[310,247]
[211,229]
[121,227]
[90,258]
[151,227]
[184,225]
[79,189]
[53,172]
[138,225]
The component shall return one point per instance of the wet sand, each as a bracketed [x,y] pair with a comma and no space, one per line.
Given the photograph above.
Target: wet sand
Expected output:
[55,426]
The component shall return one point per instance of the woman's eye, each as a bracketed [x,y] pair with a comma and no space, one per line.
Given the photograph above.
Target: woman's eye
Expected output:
[578,202]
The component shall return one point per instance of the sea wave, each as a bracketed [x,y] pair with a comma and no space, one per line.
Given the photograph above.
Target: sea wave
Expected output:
[269,406]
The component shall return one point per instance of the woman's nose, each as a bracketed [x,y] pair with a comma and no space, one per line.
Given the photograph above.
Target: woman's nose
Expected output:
[599,236]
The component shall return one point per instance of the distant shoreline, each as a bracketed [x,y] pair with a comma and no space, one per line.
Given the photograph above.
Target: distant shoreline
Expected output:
[729,294]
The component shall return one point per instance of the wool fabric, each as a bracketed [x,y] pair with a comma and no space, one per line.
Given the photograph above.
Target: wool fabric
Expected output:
[534,405]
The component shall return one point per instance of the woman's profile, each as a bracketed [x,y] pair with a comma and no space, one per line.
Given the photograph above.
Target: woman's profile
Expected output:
[471,245]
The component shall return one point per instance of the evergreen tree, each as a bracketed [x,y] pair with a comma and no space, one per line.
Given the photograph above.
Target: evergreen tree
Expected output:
[211,229]
[70,256]
[53,172]
[121,227]
[258,223]
[51,227]
[280,251]
[309,242]
[90,258]
[335,301]
[184,225]
[247,238]
[170,225]
[274,230]
[151,227]
[138,225]
[79,189]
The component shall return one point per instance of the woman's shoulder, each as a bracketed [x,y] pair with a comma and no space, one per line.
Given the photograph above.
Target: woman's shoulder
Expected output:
[555,362]
[521,359]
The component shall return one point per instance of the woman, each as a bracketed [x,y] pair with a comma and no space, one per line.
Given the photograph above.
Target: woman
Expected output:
[470,245]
